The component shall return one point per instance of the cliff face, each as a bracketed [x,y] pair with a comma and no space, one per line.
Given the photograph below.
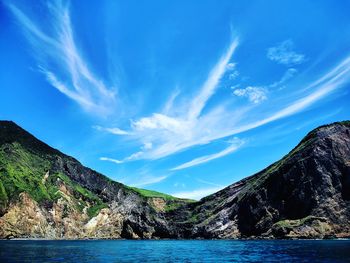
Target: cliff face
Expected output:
[304,195]
[44,193]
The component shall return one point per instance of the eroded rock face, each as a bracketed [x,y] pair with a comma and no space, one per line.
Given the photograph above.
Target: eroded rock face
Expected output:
[46,194]
[308,227]
[312,180]
[23,219]
[27,218]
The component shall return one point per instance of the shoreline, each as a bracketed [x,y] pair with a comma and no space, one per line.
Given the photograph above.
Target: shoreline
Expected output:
[170,239]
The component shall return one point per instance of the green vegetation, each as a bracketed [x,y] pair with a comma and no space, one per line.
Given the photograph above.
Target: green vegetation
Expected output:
[25,162]
[170,206]
[193,219]
[86,195]
[171,202]
[346,123]
[3,196]
[150,194]
[297,222]
[24,171]
[95,209]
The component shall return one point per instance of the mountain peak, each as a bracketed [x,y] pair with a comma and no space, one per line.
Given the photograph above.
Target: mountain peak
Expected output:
[11,132]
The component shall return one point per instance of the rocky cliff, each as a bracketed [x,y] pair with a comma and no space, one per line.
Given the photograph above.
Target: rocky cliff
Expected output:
[304,195]
[46,194]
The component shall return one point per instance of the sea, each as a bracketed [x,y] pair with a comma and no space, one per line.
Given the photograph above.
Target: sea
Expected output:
[174,251]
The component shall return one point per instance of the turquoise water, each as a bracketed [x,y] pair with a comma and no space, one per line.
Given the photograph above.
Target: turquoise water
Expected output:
[175,251]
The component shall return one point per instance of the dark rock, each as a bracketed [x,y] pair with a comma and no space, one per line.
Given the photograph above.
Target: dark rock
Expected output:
[45,193]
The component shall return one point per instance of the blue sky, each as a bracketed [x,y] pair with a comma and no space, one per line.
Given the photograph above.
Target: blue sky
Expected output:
[182,97]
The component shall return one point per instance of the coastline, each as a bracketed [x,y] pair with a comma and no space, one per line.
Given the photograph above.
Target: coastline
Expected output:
[176,239]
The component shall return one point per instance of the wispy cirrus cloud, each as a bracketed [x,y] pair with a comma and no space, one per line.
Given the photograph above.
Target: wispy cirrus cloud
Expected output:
[171,132]
[114,130]
[148,180]
[284,54]
[61,61]
[167,133]
[290,73]
[209,183]
[257,94]
[144,177]
[334,79]
[235,144]
[110,160]
[211,83]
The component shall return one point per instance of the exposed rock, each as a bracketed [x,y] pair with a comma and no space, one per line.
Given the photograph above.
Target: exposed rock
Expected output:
[312,182]
[24,218]
[46,194]
[159,204]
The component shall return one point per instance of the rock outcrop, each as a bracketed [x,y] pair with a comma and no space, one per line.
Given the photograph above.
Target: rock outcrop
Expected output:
[304,195]
[47,194]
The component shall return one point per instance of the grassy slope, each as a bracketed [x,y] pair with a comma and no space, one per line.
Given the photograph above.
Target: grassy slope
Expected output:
[155,194]
[24,161]
[172,202]
[23,171]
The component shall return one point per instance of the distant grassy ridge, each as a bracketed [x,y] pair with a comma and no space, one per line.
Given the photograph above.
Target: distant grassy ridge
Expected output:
[155,194]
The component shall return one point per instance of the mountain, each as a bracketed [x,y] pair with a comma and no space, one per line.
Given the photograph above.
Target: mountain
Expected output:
[304,195]
[47,194]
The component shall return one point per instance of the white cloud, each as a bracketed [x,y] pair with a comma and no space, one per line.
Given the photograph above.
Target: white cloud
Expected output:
[290,73]
[148,180]
[197,194]
[169,133]
[335,78]
[114,130]
[132,157]
[211,83]
[177,127]
[209,183]
[259,94]
[61,61]
[111,160]
[235,144]
[231,66]
[157,121]
[170,103]
[147,145]
[186,125]
[283,53]
[233,75]
[254,94]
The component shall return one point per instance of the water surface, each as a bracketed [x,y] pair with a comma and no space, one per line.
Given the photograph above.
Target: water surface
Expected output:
[175,251]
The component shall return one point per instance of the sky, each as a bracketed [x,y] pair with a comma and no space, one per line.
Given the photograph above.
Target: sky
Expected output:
[182,97]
